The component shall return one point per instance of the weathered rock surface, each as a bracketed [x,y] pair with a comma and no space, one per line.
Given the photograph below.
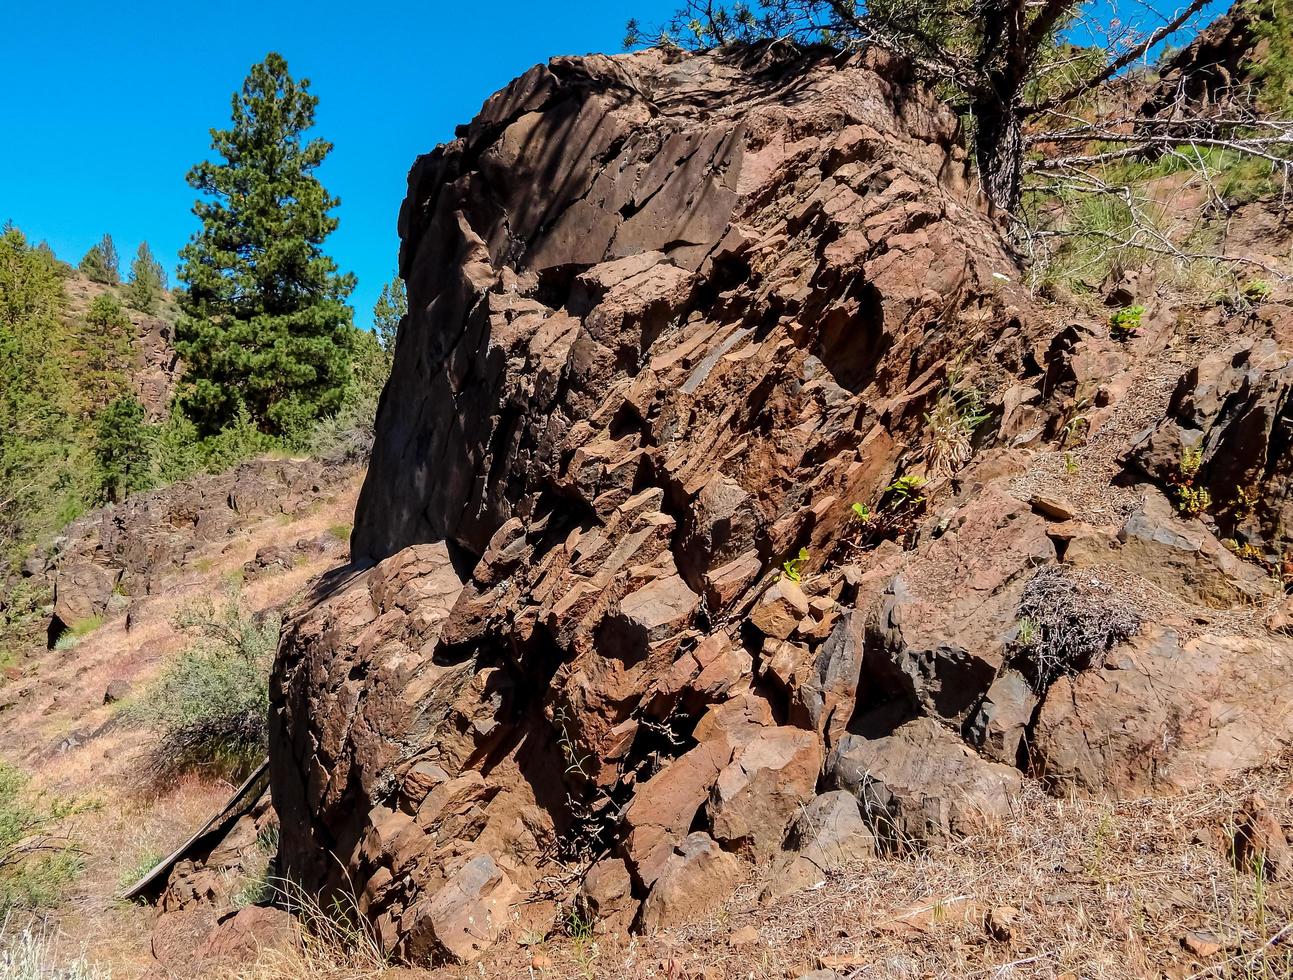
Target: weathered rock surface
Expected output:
[1236,410]
[131,549]
[1161,715]
[671,317]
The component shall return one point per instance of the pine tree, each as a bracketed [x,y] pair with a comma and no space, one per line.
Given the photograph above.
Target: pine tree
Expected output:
[41,464]
[147,281]
[123,448]
[265,325]
[101,263]
[108,350]
[390,308]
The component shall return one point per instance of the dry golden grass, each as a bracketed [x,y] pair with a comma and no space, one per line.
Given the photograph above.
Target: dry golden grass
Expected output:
[1104,890]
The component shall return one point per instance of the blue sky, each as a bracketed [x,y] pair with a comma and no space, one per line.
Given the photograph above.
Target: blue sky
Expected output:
[108,105]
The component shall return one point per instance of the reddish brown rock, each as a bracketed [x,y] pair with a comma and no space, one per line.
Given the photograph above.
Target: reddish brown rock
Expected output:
[1101,731]
[780,609]
[247,935]
[1260,842]
[758,794]
[922,783]
[694,881]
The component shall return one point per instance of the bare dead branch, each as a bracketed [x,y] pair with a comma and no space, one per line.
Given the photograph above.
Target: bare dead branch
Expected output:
[1119,63]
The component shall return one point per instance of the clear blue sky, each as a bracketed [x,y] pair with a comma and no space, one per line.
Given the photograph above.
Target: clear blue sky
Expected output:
[108,105]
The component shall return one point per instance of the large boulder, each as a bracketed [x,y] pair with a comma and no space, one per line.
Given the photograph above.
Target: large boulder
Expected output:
[670,317]
[1163,714]
[1234,411]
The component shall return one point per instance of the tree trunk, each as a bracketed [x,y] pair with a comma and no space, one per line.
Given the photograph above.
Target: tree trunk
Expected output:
[999,151]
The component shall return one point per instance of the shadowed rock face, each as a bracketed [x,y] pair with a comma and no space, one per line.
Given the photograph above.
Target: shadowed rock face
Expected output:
[608,235]
[669,318]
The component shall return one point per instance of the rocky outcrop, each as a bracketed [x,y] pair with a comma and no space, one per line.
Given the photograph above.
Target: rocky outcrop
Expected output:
[615,633]
[122,552]
[1228,430]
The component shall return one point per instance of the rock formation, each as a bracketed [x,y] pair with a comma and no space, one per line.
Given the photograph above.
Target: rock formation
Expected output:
[102,561]
[615,632]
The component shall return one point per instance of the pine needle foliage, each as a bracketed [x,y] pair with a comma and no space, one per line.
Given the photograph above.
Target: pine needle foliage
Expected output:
[101,263]
[265,325]
[147,281]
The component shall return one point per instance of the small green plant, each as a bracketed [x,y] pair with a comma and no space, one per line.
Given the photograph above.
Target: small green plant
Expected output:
[1191,501]
[75,633]
[906,490]
[793,568]
[140,866]
[1256,291]
[1125,322]
[340,531]
[1071,465]
[1247,552]
[863,513]
[1246,500]
[1026,632]
[579,927]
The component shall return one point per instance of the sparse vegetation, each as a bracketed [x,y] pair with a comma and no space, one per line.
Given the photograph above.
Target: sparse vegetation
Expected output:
[1191,500]
[209,706]
[36,862]
[333,940]
[75,633]
[957,413]
[32,954]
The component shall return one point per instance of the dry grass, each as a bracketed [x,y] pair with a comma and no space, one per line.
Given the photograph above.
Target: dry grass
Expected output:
[1104,890]
[335,943]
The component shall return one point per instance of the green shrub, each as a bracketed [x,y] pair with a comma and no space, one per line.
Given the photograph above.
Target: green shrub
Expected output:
[73,635]
[35,864]
[209,707]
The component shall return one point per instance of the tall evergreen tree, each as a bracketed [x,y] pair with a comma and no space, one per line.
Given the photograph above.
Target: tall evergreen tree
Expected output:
[123,444]
[147,281]
[107,350]
[265,325]
[390,308]
[40,462]
[101,263]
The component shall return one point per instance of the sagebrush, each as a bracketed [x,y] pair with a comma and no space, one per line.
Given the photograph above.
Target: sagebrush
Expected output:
[209,708]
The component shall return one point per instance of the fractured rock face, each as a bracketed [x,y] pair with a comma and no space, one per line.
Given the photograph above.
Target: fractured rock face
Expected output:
[671,316]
